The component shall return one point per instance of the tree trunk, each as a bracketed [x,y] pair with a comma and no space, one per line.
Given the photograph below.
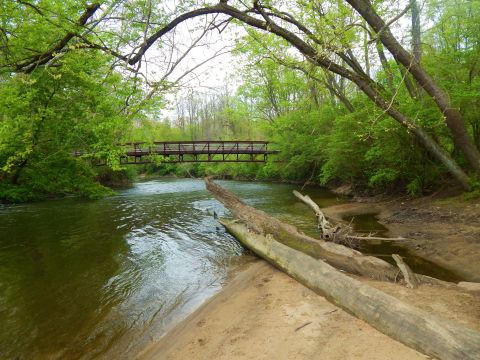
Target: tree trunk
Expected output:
[332,85]
[335,254]
[429,334]
[323,61]
[416,31]
[452,115]
[411,88]
[385,65]
[365,50]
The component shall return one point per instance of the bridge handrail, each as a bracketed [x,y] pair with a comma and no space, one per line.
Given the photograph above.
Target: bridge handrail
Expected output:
[199,142]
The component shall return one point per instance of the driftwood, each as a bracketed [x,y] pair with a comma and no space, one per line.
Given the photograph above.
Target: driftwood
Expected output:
[343,235]
[429,334]
[327,230]
[408,274]
[335,254]
[339,234]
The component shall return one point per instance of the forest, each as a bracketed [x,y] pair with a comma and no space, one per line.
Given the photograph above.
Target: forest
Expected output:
[381,95]
[355,234]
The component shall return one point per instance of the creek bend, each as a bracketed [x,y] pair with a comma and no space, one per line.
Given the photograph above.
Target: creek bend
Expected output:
[100,279]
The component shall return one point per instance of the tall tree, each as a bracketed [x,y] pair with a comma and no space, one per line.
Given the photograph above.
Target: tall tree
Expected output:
[453,117]
[323,34]
[270,20]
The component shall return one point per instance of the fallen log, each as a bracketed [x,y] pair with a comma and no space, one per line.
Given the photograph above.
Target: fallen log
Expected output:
[327,230]
[429,334]
[336,255]
[339,234]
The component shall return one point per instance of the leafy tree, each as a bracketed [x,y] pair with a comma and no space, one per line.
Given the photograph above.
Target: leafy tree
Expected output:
[331,82]
[49,114]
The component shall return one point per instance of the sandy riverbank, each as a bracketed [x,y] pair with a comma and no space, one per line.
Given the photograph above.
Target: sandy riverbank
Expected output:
[264,314]
[445,231]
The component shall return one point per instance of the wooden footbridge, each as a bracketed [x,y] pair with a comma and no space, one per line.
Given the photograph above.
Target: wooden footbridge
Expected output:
[195,151]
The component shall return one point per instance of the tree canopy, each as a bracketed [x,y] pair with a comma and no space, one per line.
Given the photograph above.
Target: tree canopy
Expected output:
[378,94]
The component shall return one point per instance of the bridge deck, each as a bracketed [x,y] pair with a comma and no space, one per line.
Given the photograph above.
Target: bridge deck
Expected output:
[197,151]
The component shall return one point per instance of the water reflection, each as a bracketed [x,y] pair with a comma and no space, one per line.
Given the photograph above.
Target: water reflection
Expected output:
[98,279]
[54,260]
[82,279]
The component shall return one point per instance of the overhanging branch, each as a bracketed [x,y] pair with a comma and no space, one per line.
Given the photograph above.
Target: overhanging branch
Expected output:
[29,65]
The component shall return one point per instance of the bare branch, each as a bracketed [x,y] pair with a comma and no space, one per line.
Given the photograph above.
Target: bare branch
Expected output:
[390,22]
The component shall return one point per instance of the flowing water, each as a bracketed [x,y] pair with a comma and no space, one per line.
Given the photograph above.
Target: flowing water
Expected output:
[100,279]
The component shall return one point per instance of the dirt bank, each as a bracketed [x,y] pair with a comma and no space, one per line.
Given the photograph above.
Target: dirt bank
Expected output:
[444,231]
[264,314]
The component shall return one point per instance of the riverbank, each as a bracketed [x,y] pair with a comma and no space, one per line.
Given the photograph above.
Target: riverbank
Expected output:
[264,314]
[445,231]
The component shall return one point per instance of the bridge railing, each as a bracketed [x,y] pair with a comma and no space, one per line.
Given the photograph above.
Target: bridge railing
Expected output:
[194,151]
[197,147]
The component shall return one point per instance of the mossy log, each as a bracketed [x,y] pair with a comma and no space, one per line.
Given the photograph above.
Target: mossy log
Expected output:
[429,334]
[336,255]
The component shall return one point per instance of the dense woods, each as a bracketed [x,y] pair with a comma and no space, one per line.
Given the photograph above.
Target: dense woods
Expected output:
[381,95]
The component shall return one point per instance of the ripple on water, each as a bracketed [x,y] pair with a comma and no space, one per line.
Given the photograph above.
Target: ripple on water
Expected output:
[98,279]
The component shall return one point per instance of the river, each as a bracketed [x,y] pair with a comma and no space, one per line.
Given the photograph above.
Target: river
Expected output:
[99,279]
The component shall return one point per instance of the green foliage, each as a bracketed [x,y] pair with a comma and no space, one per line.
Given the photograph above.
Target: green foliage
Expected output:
[299,137]
[453,56]
[47,115]
[344,148]
[268,171]
[161,169]
[325,128]
[187,170]
[115,178]
[15,194]
[232,170]
[60,176]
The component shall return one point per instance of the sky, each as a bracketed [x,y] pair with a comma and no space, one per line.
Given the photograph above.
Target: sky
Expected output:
[213,74]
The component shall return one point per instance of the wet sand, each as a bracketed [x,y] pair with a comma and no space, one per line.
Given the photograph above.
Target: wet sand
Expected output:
[444,231]
[264,314]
